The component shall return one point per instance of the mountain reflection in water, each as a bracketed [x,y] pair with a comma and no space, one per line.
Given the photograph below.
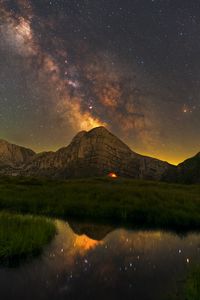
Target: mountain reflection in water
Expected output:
[97,262]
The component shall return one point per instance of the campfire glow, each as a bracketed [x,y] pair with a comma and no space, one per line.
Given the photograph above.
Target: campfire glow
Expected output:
[112,175]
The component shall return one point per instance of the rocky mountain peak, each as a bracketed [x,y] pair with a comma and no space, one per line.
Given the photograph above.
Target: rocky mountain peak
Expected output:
[101,130]
[97,139]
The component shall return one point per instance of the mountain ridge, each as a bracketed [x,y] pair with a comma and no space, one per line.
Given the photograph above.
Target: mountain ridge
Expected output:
[93,153]
[96,152]
[75,137]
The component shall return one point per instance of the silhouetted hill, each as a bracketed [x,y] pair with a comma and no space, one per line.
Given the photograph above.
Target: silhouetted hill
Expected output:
[189,170]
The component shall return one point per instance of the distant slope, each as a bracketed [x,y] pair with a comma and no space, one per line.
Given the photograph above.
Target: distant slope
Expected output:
[189,170]
[13,156]
[186,172]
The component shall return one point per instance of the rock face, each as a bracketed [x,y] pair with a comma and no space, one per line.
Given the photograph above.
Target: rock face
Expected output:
[13,157]
[95,153]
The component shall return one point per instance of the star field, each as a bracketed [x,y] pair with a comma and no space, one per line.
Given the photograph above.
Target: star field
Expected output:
[132,66]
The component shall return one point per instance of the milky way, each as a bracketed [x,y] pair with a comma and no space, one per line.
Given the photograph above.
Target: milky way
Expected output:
[131,66]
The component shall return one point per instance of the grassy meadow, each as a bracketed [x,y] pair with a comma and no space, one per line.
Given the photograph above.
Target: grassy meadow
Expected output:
[22,237]
[139,203]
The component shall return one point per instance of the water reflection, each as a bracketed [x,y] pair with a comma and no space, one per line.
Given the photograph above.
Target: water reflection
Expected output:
[94,231]
[98,262]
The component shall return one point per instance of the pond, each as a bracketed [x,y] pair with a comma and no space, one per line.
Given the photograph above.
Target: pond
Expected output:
[88,261]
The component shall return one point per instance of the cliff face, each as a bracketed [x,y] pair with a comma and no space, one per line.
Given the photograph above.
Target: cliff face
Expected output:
[13,156]
[95,153]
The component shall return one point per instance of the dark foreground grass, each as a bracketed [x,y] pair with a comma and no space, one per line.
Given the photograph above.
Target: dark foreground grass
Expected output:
[139,203]
[192,285]
[22,237]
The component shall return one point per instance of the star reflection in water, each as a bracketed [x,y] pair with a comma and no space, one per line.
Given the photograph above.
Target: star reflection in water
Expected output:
[90,261]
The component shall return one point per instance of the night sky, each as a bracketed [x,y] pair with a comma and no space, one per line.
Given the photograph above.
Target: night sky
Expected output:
[130,65]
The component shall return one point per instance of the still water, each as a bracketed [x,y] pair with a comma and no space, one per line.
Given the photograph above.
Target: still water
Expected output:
[87,261]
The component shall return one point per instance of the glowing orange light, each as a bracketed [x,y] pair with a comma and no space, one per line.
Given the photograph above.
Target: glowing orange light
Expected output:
[112,175]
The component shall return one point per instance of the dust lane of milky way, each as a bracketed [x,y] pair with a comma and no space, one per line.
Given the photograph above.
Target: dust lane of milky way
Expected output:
[131,66]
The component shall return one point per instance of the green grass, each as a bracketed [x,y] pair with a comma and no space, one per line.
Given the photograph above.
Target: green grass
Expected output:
[139,203]
[22,237]
[192,285]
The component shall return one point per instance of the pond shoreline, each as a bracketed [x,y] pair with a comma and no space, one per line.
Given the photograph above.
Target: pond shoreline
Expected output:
[142,204]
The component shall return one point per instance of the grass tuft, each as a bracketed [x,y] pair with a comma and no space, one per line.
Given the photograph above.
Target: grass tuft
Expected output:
[22,237]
